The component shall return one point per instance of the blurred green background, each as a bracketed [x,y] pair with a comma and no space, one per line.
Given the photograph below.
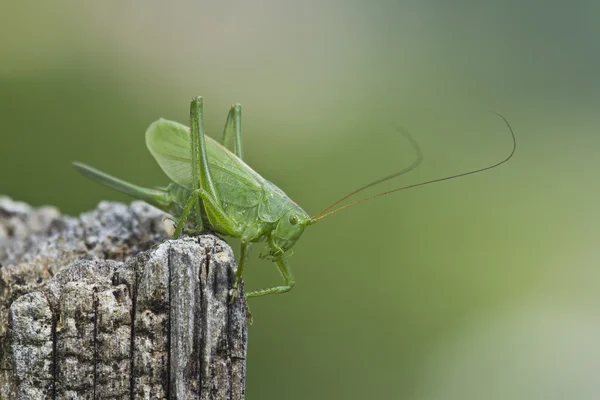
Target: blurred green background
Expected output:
[484,287]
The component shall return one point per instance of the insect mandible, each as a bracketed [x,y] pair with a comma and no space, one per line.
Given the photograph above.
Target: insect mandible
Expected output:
[213,188]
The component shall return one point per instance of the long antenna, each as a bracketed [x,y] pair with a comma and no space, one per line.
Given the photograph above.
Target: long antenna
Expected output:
[321,215]
[412,166]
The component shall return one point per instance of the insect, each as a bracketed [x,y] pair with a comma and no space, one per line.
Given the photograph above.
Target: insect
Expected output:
[213,189]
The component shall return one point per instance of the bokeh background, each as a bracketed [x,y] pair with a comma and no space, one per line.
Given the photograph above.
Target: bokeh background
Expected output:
[485,287]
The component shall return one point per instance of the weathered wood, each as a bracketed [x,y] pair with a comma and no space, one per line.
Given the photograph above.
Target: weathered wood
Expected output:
[89,309]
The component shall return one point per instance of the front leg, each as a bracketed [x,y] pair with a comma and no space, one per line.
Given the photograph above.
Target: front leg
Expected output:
[288,278]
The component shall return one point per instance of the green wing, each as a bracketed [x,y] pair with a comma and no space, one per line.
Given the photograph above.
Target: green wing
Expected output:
[169,143]
[274,203]
[237,183]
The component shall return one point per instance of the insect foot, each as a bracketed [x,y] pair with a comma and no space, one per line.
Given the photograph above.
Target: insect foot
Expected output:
[233,293]
[249,317]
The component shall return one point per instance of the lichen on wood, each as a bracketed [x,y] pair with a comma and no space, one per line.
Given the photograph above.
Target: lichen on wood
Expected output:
[105,306]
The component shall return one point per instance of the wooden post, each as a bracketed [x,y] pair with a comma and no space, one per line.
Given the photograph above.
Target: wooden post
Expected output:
[91,309]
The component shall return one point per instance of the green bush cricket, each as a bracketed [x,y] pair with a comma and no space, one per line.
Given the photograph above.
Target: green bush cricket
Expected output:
[214,189]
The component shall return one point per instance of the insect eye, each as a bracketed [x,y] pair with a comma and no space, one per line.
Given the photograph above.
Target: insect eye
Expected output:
[293,219]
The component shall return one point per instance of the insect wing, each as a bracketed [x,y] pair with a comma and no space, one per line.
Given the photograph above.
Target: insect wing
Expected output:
[274,203]
[169,143]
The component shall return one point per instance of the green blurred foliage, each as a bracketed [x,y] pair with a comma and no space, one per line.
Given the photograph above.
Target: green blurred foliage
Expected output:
[479,288]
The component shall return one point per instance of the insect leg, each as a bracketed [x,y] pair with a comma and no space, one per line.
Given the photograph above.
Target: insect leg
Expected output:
[234,125]
[240,269]
[243,261]
[185,214]
[217,216]
[286,273]
[201,173]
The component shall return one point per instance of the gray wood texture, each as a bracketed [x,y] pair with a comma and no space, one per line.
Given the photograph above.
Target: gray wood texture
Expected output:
[105,307]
